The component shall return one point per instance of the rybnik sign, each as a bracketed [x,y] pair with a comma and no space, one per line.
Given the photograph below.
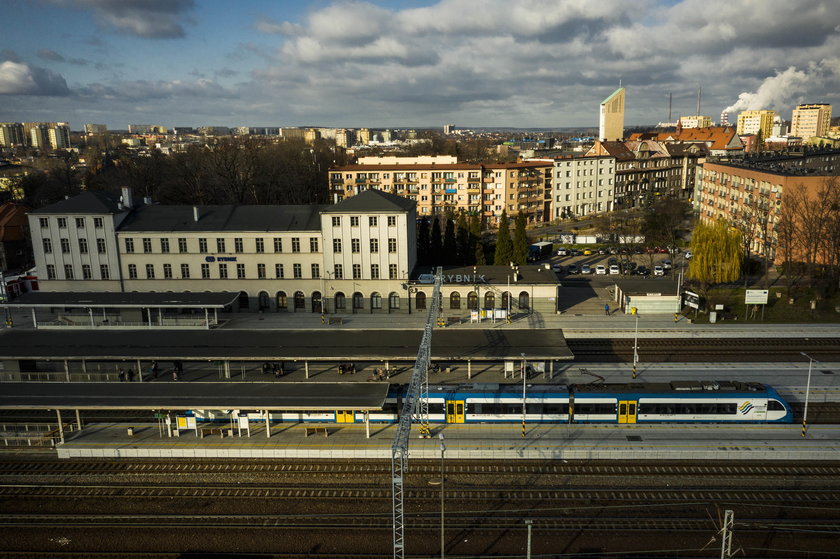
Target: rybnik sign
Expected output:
[453,278]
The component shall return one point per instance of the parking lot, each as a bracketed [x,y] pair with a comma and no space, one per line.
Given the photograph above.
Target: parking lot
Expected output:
[600,263]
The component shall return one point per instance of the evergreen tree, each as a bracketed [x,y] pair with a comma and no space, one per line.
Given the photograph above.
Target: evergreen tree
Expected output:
[423,242]
[462,242]
[436,244]
[475,233]
[450,249]
[504,245]
[480,259]
[520,241]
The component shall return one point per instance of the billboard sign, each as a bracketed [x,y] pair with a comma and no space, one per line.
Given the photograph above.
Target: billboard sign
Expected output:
[756,296]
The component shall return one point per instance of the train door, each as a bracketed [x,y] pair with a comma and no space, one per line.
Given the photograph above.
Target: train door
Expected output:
[454,411]
[344,416]
[627,411]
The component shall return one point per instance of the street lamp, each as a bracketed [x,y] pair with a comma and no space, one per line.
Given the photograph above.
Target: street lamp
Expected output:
[807,390]
[442,453]
[529,522]
[636,346]
[523,394]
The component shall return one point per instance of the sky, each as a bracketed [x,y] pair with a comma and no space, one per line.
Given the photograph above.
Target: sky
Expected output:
[410,63]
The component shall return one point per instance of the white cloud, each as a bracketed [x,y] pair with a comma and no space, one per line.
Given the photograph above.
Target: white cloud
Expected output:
[150,19]
[19,78]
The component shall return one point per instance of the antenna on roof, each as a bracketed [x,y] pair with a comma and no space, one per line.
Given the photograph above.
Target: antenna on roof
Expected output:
[699,93]
[670,95]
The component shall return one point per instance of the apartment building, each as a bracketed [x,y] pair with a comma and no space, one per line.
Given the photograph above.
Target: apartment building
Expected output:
[756,122]
[811,120]
[436,188]
[11,134]
[355,256]
[696,121]
[583,186]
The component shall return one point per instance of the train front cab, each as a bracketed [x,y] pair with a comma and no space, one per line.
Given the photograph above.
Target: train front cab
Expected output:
[627,411]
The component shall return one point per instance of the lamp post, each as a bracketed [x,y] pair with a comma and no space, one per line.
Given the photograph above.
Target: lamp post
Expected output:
[807,390]
[523,394]
[528,523]
[442,453]
[636,346]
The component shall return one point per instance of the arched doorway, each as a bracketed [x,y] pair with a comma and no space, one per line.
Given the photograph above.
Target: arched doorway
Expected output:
[264,301]
[375,301]
[340,302]
[454,300]
[505,300]
[393,302]
[489,300]
[282,302]
[472,301]
[523,300]
[420,301]
[244,301]
[300,301]
[358,302]
[317,305]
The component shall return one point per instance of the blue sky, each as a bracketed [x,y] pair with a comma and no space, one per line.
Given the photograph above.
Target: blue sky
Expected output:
[410,63]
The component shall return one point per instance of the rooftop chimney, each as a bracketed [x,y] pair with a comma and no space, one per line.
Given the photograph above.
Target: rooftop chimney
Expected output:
[195,213]
[126,197]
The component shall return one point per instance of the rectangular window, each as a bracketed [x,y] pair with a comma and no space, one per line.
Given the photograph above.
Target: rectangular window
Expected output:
[205,271]
[240,271]
[237,244]
[132,271]
[104,272]
[147,244]
[97,222]
[278,271]
[222,271]
[150,271]
[372,221]
[47,246]
[68,272]
[339,271]
[202,246]
[164,245]
[357,271]
[374,271]
[51,271]
[182,245]
[296,271]
[65,245]
[62,222]
[278,245]
[392,245]
[83,246]
[392,221]
[129,245]
[44,222]
[260,245]
[355,245]
[316,271]
[185,271]
[313,244]
[336,221]
[295,244]
[261,271]
[354,221]
[374,245]
[167,271]
[80,224]
[86,272]
[392,271]
[220,245]
[336,245]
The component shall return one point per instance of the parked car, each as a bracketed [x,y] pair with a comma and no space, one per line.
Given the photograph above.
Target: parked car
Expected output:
[667,264]
[642,271]
[602,251]
[628,266]
[557,268]
[600,270]
[585,269]
[587,252]
[615,270]
[563,252]
[573,269]
[658,271]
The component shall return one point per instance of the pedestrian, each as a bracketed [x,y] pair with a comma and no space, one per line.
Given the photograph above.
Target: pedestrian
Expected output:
[341,368]
[266,368]
[155,369]
[352,368]
[175,373]
[607,310]
[130,374]
[121,375]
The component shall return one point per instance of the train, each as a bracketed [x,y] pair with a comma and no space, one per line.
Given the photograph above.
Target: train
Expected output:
[631,403]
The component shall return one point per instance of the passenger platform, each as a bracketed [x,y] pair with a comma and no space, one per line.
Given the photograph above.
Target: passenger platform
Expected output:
[467,441]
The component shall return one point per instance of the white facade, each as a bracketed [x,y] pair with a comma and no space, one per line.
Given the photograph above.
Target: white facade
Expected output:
[582,186]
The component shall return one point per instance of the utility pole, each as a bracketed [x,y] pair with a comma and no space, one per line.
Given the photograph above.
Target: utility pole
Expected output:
[726,535]
[529,522]
[442,454]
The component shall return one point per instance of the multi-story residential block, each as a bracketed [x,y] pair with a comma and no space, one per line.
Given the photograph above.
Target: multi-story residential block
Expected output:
[611,124]
[582,186]
[487,189]
[355,256]
[746,190]
[756,122]
[11,134]
[811,120]
[696,121]
[59,136]
[95,129]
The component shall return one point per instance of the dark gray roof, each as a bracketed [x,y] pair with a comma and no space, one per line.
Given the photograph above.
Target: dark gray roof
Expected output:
[373,200]
[194,395]
[262,345]
[90,202]
[224,218]
[124,300]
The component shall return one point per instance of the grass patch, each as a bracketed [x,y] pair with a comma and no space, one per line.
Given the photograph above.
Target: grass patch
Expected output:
[779,309]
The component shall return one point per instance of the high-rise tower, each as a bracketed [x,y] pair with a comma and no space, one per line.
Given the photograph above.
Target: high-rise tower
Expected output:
[611,126]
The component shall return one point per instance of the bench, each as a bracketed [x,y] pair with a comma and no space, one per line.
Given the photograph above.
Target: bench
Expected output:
[453,320]
[336,320]
[315,429]
[212,431]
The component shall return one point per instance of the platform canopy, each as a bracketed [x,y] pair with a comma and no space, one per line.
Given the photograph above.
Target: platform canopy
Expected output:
[133,300]
[320,396]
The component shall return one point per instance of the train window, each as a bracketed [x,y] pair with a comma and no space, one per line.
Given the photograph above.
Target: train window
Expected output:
[436,408]
[594,409]
[727,409]
[392,408]
[775,405]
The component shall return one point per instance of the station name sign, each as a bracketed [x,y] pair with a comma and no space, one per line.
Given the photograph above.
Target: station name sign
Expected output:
[220,259]
[453,278]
